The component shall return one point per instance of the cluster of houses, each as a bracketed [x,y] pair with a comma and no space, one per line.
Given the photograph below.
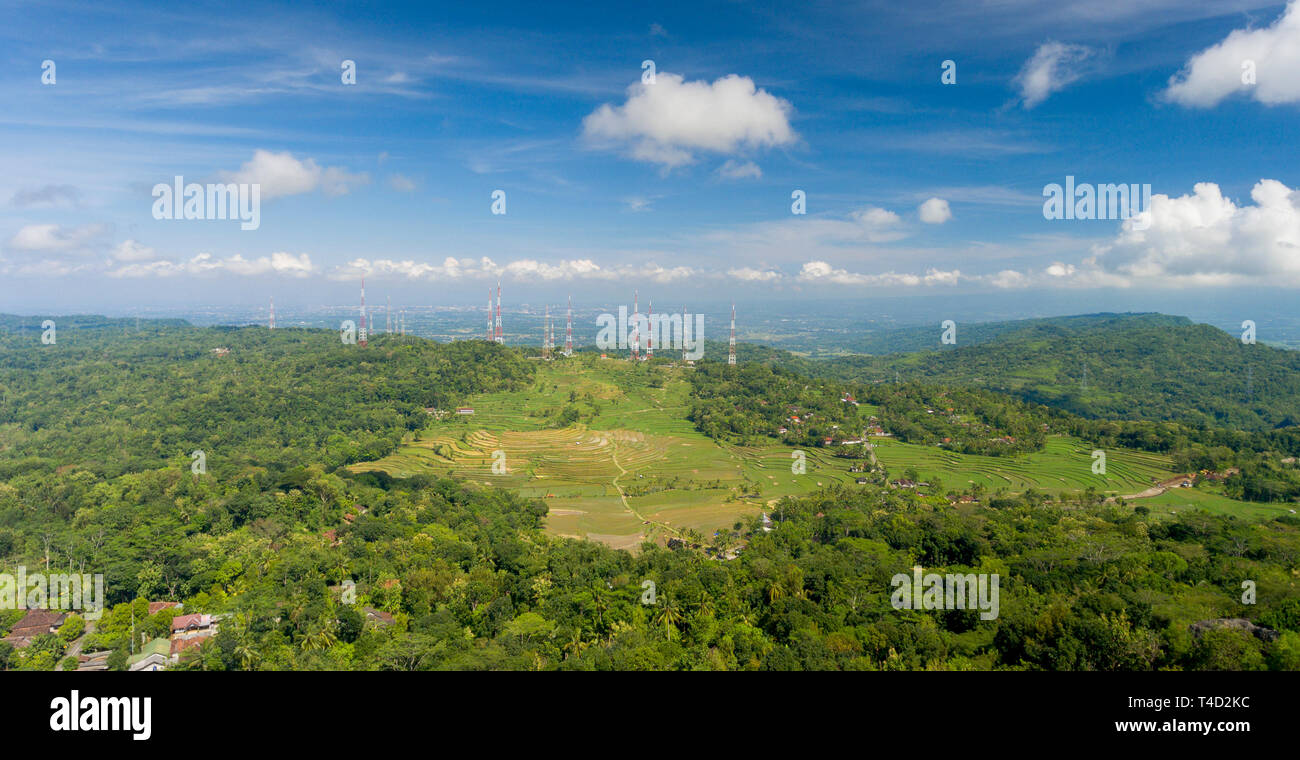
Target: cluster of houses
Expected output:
[187,632]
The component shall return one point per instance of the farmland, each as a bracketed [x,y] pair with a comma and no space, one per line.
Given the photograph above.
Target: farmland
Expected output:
[633,468]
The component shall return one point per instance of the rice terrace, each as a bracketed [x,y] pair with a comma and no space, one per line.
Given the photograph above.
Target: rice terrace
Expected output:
[633,468]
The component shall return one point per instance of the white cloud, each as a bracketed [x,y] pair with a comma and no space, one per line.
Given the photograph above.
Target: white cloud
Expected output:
[1009,278]
[530,270]
[205,263]
[669,121]
[1217,72]
[740,170]
[130,250]
[51,238]
[1205,238]
[935,211]
[821,271]
[1053,66]
[877,225]
[281,174]
[749,274]
[803,237]
[401,183]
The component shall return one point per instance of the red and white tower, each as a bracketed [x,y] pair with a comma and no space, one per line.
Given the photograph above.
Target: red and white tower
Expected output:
[685,327]
[731,346]
[546,334]
[272,324]
[361,333]
[500,338]
[568,334]
[650,333]
[635,343]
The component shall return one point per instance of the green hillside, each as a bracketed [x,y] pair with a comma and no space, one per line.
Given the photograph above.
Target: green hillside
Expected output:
[1149,367]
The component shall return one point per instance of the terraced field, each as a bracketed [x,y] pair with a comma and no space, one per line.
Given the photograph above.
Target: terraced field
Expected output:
[633,468]
[1064,465]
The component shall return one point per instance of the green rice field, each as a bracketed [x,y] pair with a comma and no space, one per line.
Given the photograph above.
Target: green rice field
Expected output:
[635,468]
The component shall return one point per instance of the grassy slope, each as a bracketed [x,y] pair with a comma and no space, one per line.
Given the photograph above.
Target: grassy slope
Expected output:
[641,439]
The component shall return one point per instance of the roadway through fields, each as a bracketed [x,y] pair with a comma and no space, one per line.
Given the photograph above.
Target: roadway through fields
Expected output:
[613,455]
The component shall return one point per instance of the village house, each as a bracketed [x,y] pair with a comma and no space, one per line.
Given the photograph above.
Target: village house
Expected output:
[35,623]
[156,607]
[93,661]
[377,617]
[190,631]
[153,656]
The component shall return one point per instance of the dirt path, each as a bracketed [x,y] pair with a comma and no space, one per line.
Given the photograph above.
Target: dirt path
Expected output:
[1152,491]
[613,455]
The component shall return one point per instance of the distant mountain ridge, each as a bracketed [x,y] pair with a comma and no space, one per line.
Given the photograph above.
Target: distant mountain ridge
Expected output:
[1120,366]
[926,337]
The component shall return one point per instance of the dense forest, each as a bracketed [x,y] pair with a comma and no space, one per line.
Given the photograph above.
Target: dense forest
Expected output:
[1149,367]
[96,475]
[748,401]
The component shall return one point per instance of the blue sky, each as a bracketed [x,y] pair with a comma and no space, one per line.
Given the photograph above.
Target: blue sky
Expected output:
[680,187]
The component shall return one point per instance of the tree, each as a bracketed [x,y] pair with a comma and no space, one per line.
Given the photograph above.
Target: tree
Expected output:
[117,659]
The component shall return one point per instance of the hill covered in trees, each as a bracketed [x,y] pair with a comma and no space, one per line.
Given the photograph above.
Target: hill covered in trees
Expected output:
[96,475]
[1151,367]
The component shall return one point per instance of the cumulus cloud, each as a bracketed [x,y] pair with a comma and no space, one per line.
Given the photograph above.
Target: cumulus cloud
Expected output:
[821,271]
[740,170]
[1206,239]
[51,238]
[750,274]
[669,121]
[1218,71]
[776,240]
[130,250]
[934,211]
[1053,67]
[875,224]
[401,183]
[205,263]
[531,270]
[281,174]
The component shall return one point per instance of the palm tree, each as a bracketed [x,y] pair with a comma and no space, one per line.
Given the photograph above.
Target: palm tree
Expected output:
[668,616]
[246,652]
[244,648]
[775,591]
[319,637]
[600,604]
[575,644]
